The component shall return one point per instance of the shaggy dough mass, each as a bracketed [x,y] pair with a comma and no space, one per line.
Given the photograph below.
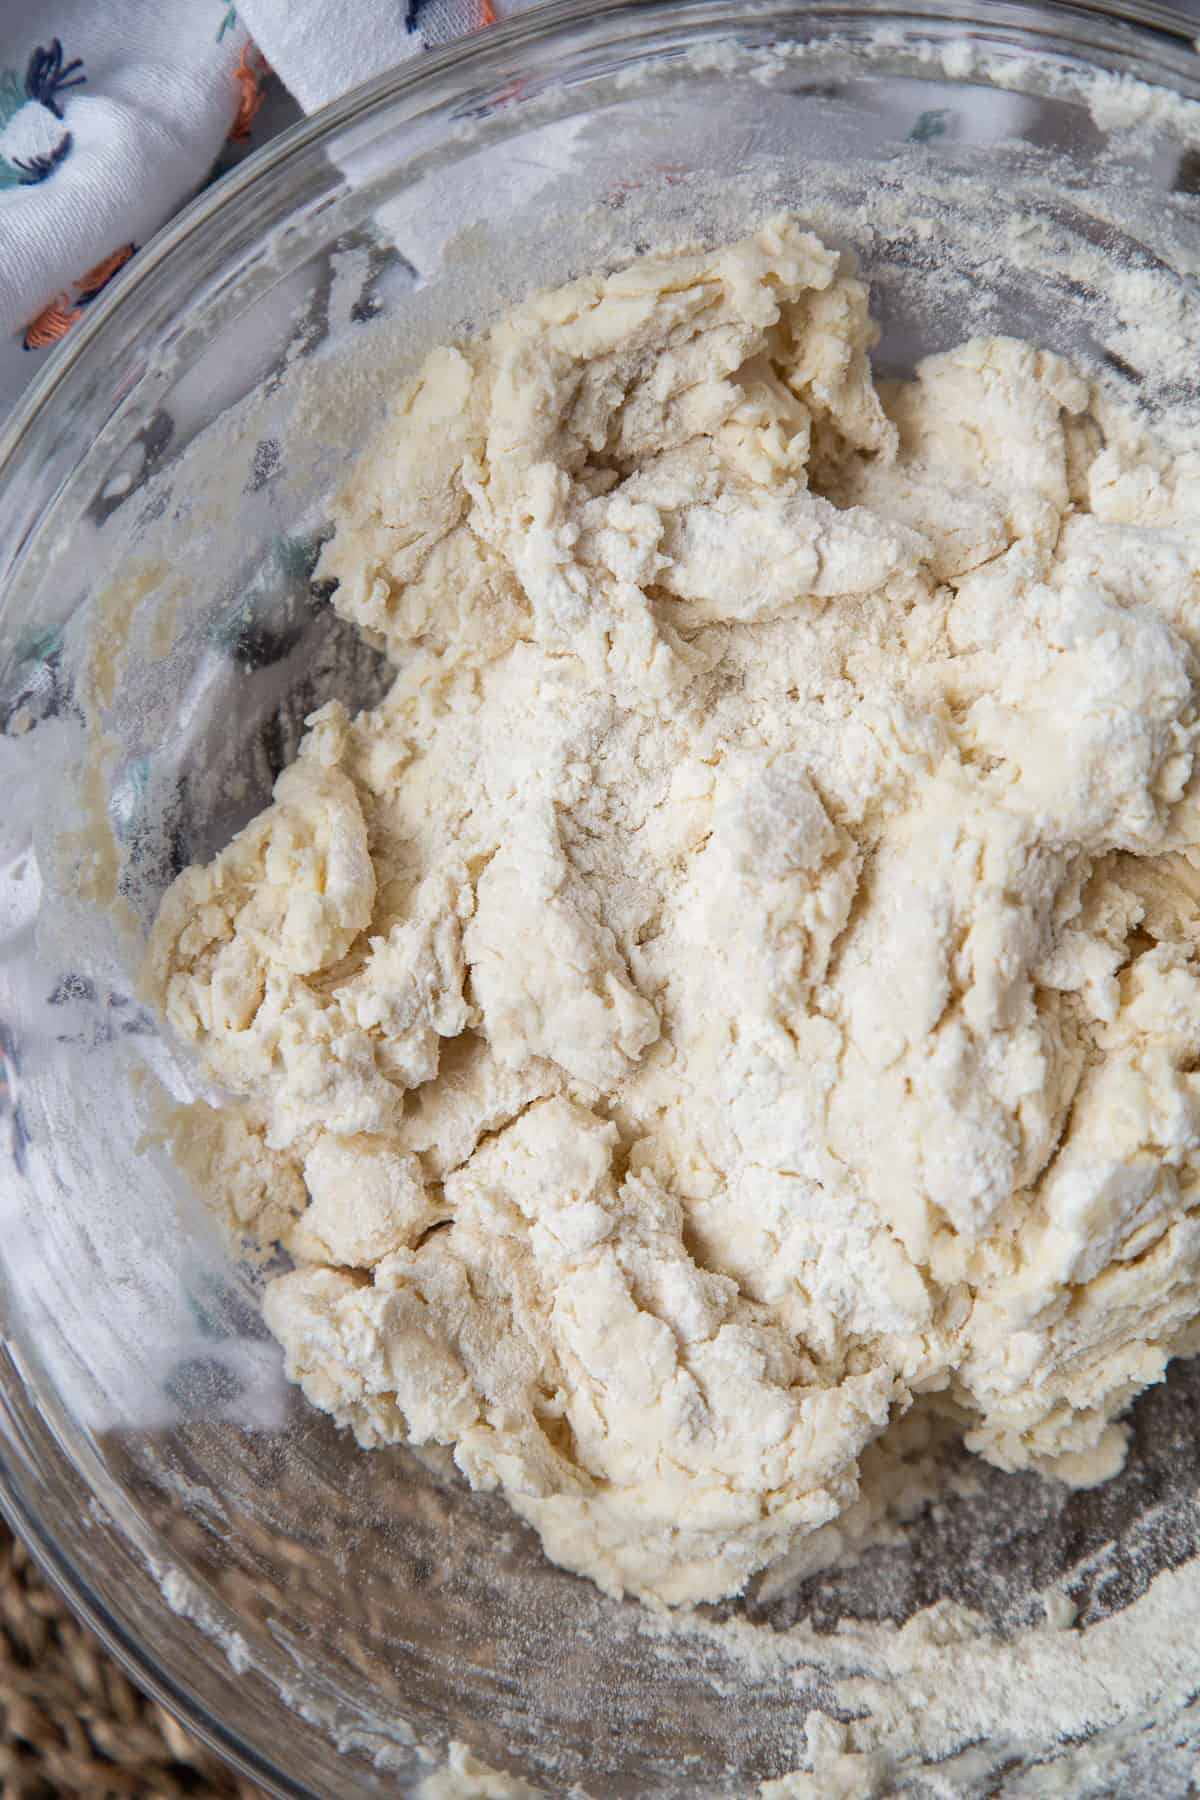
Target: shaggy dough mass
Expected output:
[743,976]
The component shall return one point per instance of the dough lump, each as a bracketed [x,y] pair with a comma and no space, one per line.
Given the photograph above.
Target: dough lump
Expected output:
[744,975]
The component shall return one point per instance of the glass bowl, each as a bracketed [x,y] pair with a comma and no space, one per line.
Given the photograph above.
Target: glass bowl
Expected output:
[333,1621]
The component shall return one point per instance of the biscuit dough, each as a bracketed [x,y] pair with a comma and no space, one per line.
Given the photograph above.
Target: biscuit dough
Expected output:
[743,976]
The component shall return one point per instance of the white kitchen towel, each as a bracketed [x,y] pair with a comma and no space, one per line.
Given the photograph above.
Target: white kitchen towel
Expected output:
[320,52]
[112,115]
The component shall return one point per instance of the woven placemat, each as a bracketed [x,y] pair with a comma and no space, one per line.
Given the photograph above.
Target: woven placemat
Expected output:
[72,1722]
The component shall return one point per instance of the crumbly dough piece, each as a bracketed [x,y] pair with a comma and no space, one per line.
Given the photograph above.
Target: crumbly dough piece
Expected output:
[744,975]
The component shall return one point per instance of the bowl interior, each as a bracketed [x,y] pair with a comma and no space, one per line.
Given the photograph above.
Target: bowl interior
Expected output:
[334,1618]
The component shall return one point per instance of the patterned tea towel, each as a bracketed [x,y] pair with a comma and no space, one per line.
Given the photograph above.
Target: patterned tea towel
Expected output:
[112,115]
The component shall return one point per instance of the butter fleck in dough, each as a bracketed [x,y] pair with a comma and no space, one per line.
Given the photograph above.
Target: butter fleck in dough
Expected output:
[744,975]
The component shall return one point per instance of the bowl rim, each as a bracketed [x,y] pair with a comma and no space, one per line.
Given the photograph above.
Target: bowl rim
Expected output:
[483,55]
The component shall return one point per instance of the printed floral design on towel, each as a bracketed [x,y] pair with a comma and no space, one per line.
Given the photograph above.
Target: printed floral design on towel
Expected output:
[251,79]
[55,320]
[441,21]
[32,140]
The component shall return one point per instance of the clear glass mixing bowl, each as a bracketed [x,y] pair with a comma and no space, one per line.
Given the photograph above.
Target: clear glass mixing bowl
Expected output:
[328,1619]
